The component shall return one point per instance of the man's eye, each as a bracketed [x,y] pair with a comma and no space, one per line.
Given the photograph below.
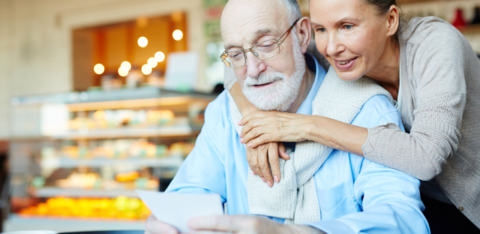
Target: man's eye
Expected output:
[347,26]
[234,55]
[266,45]
[321,30]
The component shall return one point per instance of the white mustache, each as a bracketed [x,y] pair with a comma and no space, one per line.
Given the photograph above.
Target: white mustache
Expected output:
[264,78]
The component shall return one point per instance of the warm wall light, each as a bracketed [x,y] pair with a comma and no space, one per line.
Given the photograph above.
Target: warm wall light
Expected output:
[152,62]
[126,66]
[142,22]
[122,72]
[160,56]
[99,69]
[146,69]
[177,35]
[142,42]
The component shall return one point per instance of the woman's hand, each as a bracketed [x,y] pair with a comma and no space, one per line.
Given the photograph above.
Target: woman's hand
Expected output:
[261,127]
[265,157]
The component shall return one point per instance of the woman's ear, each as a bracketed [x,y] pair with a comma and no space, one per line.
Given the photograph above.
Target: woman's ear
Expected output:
[304,33]
[393,20]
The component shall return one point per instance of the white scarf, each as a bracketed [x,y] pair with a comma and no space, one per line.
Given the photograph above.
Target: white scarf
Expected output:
[295,197]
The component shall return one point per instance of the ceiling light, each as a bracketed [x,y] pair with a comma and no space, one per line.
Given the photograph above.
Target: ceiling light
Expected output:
[99,69]
[142,42]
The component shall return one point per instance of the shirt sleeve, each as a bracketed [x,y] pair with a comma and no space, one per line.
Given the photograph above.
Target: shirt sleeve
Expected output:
[203,170]
[390,202]
[439,94]
[389,199]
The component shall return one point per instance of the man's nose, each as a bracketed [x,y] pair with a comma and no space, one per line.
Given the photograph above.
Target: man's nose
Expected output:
[334,45]
[255,66]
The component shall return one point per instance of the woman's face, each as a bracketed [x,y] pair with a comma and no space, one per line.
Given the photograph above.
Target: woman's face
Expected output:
[351,34]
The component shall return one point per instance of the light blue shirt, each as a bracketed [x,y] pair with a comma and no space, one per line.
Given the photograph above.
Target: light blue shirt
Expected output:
[355,194]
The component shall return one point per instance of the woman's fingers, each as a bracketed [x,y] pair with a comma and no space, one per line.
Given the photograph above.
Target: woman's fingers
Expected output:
[255,123]
[274,161]
[263,164]
[252,116]
[249,135]
[282,152]
[263,139]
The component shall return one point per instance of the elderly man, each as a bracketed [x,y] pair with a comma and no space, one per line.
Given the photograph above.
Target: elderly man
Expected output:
[321,190]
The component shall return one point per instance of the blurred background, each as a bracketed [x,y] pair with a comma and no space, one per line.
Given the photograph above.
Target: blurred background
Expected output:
[102,97]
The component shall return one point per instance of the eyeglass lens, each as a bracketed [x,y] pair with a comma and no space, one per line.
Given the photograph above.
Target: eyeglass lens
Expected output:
[263,50]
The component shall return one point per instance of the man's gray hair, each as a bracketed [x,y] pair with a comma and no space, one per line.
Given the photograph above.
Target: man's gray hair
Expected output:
[293,10]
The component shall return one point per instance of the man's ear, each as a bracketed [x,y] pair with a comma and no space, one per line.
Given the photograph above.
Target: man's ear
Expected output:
[304,33]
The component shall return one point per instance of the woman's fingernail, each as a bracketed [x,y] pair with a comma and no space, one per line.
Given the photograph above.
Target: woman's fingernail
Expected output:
[276,179]
[264,181]
[250,144]
[269,184]
[241,140]
[254,173]
[240,122]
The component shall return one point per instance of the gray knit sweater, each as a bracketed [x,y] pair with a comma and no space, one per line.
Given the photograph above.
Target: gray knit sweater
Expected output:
[440,85]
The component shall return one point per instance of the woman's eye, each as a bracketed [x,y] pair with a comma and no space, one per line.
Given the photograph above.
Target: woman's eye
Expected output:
[321,30]
[347,26]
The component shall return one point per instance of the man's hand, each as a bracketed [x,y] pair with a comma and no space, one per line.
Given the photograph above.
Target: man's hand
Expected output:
[155,226]
[265,157]
[244,224]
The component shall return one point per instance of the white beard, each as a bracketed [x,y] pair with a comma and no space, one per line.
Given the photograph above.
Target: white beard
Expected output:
[281,94]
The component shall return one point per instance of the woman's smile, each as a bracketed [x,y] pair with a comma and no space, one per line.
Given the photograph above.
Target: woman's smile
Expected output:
[345,64]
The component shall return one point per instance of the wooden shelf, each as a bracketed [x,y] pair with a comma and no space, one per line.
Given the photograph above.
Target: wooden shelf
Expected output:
[169,161]
[142,103]
[164,131]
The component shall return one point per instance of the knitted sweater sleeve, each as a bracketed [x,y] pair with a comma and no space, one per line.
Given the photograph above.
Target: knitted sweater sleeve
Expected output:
[435,69]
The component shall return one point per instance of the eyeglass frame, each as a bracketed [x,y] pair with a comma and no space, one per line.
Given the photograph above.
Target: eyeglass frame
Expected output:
[279,41]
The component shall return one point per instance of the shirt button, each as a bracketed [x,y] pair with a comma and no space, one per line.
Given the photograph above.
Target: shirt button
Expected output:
[460,208]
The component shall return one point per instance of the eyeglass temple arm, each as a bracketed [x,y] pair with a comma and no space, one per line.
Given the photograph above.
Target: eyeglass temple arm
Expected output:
[285,35]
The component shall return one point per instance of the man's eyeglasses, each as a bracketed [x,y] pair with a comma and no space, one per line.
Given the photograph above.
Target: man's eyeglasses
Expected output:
[263,50]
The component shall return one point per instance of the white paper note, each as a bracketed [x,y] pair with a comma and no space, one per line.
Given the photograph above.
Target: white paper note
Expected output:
[177,208]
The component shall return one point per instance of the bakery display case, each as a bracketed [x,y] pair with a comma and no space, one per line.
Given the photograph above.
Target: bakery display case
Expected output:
[82,155]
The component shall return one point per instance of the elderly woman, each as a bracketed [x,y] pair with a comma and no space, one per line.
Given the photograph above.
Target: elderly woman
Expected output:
[431,71]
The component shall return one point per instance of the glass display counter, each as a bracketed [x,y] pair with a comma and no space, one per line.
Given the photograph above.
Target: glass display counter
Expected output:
[82,155]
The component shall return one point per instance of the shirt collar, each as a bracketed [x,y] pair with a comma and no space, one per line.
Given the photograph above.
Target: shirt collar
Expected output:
[312,64]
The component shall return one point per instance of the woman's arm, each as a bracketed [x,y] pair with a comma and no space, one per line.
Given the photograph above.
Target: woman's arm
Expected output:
[235,90]
[264,127]
[245,106]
